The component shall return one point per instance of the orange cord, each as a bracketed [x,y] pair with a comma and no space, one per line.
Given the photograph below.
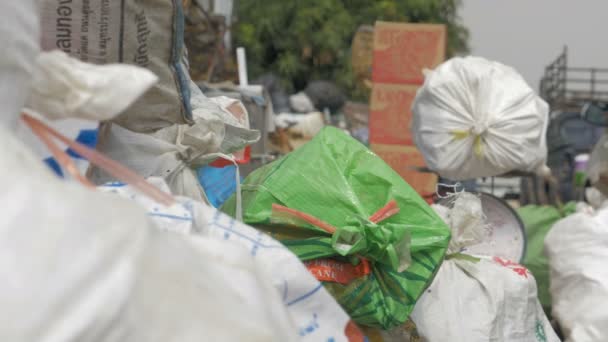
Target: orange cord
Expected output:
[112,167]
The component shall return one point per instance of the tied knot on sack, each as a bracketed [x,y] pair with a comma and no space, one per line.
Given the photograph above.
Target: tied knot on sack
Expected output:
[193,152]
[360,237]
[205,141]
[477,132]
[466,220]
[479,129]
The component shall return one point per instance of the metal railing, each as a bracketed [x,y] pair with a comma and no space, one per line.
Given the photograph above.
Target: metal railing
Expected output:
[566,87]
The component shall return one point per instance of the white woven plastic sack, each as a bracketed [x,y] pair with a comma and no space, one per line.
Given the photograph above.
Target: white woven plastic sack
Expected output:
[67,255]
[73,96]
[577,248]
[19,33]
[200,289]
[78,265]
[479,299]
[466,219]
[478,118]
[314,314]
[488,299]
[83,266]
[176,152]
[147,33]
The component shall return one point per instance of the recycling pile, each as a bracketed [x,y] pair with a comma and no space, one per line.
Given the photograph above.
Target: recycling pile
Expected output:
[327,243]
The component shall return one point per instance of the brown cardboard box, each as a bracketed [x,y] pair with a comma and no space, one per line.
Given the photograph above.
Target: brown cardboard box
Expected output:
[401,159]
[390,114]
[402,51]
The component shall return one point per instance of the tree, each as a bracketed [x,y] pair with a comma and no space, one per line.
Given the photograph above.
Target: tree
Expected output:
[303,40]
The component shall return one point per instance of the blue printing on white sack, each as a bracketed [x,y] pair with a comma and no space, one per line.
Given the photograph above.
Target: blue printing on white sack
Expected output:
[305,298]
[87,137]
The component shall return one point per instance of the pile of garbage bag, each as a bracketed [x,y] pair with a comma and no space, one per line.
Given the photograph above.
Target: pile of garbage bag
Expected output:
[326,243]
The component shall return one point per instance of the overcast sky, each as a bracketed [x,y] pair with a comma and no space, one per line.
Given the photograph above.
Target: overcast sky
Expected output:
[529,34]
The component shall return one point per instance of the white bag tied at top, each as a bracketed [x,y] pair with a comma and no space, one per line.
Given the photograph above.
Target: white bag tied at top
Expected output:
[479,299]
[176,152]
[478,118]
[577,248]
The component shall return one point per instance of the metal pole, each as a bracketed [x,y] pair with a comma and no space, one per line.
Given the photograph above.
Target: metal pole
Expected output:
[565,74]
[592,83]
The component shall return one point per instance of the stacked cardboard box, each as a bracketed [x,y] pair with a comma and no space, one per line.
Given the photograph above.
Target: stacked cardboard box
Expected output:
[401,53]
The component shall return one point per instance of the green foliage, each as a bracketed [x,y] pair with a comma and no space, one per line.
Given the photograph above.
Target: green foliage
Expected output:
[303,40]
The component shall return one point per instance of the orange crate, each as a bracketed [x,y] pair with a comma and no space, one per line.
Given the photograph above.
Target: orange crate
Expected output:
[401,158]
[390,114]
[402,51]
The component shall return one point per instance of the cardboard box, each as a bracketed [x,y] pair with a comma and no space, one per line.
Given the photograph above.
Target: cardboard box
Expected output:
[390,114]
[401,159]
[402,51]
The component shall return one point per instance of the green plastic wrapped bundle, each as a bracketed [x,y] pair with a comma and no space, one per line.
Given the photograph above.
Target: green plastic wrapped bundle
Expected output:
[538,221]
[359,227]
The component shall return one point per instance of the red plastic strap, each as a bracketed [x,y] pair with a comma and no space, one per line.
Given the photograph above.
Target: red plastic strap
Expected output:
[337,271]
[112,167]
[240,157]
[303,216]
[390,209]
[332,270]
[353,332]
[60,155]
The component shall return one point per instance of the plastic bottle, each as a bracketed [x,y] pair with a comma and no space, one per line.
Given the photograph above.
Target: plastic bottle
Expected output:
[580,176]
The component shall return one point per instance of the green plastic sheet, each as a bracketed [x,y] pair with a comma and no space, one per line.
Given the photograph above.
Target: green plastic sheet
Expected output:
[339,181]
[538,221]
